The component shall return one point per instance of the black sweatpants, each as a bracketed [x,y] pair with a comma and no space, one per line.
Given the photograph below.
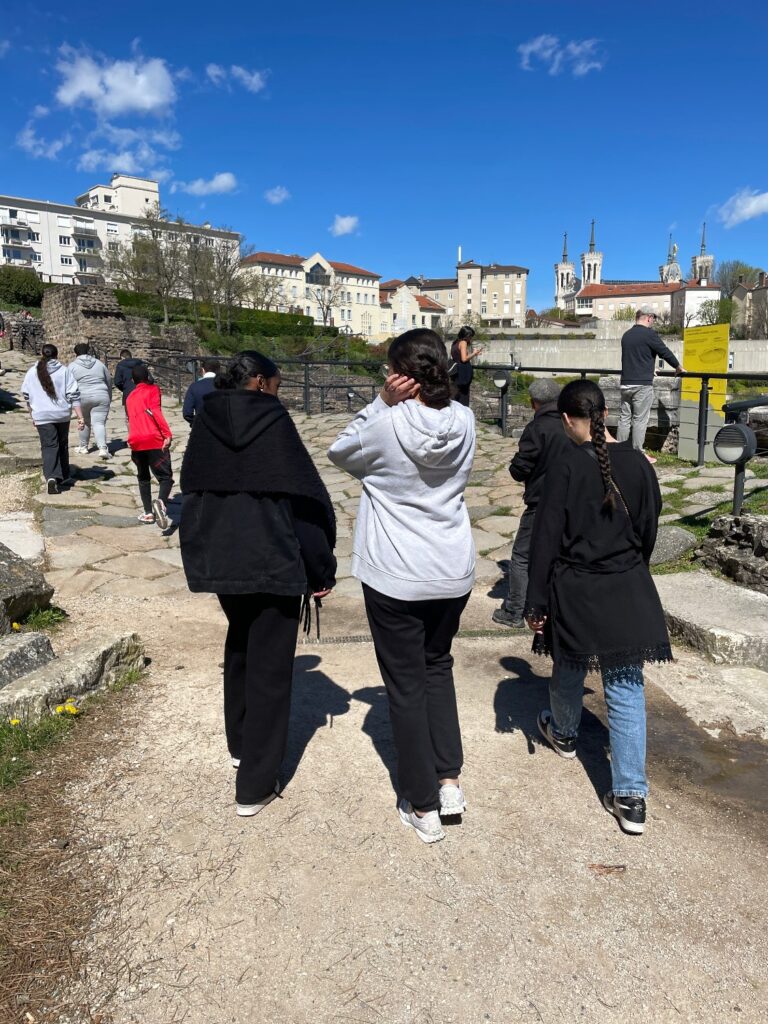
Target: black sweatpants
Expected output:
[462,394]
[413,648]
[258,675]
[54,446]
[159,461]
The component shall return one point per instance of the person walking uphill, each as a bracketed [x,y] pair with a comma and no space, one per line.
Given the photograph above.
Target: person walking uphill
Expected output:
[51,392]
[640,346]
[95,385]
[542,441]
[149,438]
[591,598]
[412,448]
[257,530]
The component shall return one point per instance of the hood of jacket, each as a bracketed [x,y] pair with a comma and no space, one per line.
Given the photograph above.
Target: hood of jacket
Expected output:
[53,365]
[547,409]
[86,360]
[130,363]
[431,437]
[237,418]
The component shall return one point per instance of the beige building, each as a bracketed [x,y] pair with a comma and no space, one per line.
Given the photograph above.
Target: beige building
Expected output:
[332,293]
[70,244]
[750,308]
[403,308]
[496,293]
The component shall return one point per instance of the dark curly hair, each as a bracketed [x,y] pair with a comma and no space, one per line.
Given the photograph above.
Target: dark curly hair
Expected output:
[583,399]
[420,354]
[249,363]
[46,383]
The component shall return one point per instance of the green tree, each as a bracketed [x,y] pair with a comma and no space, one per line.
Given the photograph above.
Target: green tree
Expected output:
[728,272]
[625,313]
[20,286]
[715,311]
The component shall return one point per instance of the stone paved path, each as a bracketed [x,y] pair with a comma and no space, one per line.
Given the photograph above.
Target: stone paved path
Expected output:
[323,909]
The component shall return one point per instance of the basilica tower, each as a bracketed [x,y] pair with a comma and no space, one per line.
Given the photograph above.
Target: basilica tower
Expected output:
[703,265]
[591,263]
[565,274]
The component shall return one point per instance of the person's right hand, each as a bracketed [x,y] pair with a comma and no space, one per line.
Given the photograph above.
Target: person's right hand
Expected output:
[680,371]
[322,593]
[536,624]
[167,443]
[398,388]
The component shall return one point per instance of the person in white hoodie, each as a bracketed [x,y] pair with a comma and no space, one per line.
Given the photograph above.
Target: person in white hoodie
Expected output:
[412,448]
[51,393]
[95,385]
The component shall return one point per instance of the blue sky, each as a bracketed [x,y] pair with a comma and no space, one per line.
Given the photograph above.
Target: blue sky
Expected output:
[386,135]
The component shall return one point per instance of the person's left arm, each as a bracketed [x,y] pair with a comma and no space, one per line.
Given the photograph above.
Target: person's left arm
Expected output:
[188,408]
[316,551]
[72,395]
[647,522]
[546,540]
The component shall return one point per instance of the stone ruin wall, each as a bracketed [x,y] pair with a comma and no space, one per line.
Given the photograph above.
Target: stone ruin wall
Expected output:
[21,334]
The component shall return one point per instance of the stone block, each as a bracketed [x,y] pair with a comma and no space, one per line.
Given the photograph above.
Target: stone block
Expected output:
[89,667]
[671,543]
[22,587]
[19,533]
[738,547]
[21,653]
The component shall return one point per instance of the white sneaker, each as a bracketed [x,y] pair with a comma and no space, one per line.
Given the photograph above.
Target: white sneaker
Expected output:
[452,800]
[235,762]
[248,810]
[427,826]
[105,453]
[81,450]
[161,514]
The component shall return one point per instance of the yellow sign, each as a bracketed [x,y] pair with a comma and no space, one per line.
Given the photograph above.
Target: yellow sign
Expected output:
[705,350]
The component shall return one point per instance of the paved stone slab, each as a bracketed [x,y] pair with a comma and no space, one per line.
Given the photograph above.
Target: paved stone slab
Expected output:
[170,555]
[136,566]
[21,653]
[128,539]
[83,581]
[727,623]
[18,531]
[74,551]
[487,541]
[505,525]
[724,473]
[693,483]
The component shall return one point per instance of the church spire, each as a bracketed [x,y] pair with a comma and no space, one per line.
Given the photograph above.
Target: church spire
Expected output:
[669,249]
[565,247]
[592,237]
[704,238]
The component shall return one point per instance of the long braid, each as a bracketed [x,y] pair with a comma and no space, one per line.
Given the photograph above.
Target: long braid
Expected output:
[597,425]
[43,375]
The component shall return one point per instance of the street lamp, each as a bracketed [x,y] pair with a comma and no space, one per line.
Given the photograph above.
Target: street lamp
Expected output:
[736,443]
[501,381]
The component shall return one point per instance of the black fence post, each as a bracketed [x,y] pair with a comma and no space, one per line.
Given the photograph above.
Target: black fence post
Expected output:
[703,417]
[306,388]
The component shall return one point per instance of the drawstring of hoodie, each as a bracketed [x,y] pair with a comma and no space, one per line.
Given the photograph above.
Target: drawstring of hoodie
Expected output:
[305,614]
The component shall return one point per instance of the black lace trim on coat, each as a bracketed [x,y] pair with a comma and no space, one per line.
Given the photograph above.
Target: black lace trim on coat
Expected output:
[598,662]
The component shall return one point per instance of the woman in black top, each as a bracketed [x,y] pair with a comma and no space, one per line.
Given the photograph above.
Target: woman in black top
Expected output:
[591,599]
[258,530]
[462,357]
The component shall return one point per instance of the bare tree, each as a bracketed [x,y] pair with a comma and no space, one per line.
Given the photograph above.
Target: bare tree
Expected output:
[327,297]
[197,270]
[264,291]
[154,260]
[228,282]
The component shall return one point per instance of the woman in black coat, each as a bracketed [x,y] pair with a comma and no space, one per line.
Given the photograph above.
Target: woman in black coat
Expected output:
[591,598]
[257,530]
[462,358]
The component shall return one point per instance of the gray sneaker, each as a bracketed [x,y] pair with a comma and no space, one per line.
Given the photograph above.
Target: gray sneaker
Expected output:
[427,826]
[451,801]
[505,618]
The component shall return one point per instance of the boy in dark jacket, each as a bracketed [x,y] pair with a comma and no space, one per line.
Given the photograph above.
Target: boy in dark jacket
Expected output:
[123,378]
[542,441]
[197,390]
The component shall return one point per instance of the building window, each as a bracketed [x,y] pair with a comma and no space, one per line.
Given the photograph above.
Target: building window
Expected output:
[64,222]
[66,261]
[107,199]
[484,290]
[358,297]
[308,311]
[518,288]
[413,319]
[111,228]
[65,240]
[506,287]
[113,246]
[423,321]
[34,236]
[37,257]
[82,264]
[506,306]
[484,308]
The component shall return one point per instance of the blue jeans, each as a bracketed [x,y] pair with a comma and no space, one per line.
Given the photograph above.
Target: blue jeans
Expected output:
[625,702]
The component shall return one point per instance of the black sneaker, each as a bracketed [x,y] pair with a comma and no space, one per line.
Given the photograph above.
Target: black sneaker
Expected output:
[565,747]
[505,618]
[630,811]
[53,486]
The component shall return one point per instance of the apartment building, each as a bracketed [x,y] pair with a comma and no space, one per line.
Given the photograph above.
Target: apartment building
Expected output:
[496,292]
[70,244]
[442,290]
[403,308]
[333,294]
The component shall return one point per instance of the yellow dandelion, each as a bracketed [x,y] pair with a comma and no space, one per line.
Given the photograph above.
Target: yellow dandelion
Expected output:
[71,709]
[16,627]
[60,709]
[14,721]
[70,700]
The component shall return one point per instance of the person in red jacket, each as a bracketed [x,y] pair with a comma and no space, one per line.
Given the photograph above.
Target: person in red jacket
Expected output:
[149,438]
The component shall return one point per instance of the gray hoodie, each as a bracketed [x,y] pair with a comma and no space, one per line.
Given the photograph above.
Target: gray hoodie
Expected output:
[93,379]
[413,539]
[45,409]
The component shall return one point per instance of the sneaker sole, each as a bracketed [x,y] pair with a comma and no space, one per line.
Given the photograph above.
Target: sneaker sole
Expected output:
[251,810]
[632,828]
[453,810]
[423,836]
[161,518]
[567,754]
[235,762]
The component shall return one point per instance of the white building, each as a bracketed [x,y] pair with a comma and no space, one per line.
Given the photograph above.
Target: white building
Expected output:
[403,307]
[70,244]
[332,293]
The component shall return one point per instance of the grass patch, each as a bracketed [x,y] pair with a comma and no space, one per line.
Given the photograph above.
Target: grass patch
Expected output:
[18,744]
[42,620]
[130,677]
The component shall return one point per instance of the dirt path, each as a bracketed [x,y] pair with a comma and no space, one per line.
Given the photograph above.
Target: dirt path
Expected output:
[323,908]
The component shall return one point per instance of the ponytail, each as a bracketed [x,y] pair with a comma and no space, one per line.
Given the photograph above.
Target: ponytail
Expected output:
[583,399]
[43,375]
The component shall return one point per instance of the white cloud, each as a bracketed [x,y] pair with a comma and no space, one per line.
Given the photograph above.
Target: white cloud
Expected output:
[253,81]
[220,183]
[4,47]
[344,225]
[40,111]
[216,73]
[277,195]
[36,146]
[744,205]
[121,161]
[578,56]
[112,88]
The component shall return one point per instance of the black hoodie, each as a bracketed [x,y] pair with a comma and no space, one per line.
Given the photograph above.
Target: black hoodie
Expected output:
[256,517]
[123,379]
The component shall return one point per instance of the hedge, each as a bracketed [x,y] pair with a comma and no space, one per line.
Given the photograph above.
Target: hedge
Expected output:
[244,321]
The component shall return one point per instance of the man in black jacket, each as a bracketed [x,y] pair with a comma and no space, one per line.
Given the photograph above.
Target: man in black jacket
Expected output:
[640,347]
[123,378]
[198,389]
[542,441]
